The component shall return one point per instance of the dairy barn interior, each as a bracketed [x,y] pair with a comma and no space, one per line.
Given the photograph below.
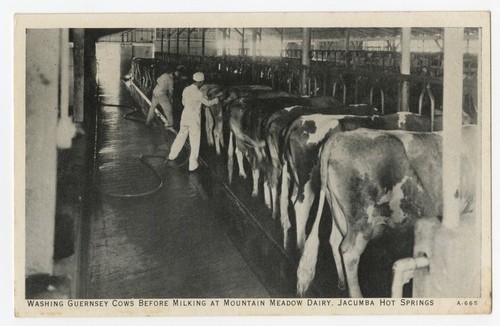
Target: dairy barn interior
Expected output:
[108,216]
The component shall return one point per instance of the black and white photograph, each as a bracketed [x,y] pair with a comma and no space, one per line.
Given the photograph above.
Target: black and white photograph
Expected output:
[258,164]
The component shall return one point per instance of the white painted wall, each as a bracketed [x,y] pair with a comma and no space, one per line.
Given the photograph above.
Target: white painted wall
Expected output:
[42,82]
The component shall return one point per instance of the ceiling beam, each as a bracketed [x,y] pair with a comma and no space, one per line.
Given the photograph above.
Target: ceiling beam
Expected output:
[239,32]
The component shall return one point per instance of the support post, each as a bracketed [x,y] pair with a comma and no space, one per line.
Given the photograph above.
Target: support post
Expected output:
[203,30]
[224,42]
[281,42]
[346,49]
[161,44]
[254,43]
[306,60]
[243,41]
[452,123]
[178,32]
[169,36]
[189,41]
[405,67]
[78,68]
[254,51]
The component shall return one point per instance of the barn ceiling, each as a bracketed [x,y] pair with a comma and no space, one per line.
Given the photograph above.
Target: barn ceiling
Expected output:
[332,34]
[370,33]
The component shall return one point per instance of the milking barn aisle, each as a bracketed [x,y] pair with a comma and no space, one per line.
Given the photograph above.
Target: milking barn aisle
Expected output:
[166,245]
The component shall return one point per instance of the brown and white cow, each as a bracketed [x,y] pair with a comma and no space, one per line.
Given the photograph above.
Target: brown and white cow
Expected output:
[247,122]
[276,128]
[300,156]
[214,115]
[374,179]
[300,172]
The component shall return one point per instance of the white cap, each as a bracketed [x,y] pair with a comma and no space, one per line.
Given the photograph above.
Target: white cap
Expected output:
[198,77]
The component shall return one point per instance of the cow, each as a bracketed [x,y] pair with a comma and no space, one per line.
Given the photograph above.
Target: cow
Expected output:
[275,130]
[300,156]
[143,72]
[214,115]
[415,122]
[246,122]
[374,179]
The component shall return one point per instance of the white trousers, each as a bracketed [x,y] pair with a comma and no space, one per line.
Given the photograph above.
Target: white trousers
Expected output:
[192,129]
[159,97]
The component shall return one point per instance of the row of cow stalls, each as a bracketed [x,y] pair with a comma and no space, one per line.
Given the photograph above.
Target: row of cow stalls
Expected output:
[352,81]
[433,259]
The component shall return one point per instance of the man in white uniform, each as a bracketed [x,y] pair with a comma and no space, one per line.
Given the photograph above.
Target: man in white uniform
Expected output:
[163,95]
[192,99]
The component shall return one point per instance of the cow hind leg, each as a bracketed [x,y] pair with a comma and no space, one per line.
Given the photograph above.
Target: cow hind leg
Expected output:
[272,176]
[230,151]
[209,126]
[335,241]
[351,253]
[285,220]
[274,200]
[339,229]
[220,135]
[267,194]
[239,157]
[217,144]
[302,209]
[255,176]
[217,141]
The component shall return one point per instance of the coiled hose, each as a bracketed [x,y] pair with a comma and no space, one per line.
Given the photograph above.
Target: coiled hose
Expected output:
[143,158]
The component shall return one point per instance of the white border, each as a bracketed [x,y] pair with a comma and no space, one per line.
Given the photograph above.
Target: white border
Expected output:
[92,6]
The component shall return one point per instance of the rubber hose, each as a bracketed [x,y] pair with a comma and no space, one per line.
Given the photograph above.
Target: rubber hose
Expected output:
[142,157]
[128,114]
[145,193]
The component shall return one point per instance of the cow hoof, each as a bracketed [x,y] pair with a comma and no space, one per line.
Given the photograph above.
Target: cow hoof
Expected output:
[255,193]
[341,286]
[243,175]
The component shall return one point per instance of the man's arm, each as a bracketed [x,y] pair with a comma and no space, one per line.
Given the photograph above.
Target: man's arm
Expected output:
[170,87]
[206,101]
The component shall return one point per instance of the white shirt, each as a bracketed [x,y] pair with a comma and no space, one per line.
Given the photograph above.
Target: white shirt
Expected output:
[192,99]
[164,85]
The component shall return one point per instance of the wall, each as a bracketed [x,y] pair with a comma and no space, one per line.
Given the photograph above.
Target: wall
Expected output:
[42,82]
[143,51]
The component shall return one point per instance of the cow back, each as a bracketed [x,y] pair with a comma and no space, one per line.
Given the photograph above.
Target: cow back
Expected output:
[383,175]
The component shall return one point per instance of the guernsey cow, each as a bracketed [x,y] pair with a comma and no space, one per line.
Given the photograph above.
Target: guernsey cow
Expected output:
[143,73]
[214,115]
[275,130]
[300,161]
[300,172]
[374,179]
[247,120]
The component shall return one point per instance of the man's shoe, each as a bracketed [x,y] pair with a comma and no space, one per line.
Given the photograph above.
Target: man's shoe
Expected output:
[171,163]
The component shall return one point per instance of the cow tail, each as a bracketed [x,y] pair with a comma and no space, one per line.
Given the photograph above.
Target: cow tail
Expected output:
[307,265]
[288,156]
